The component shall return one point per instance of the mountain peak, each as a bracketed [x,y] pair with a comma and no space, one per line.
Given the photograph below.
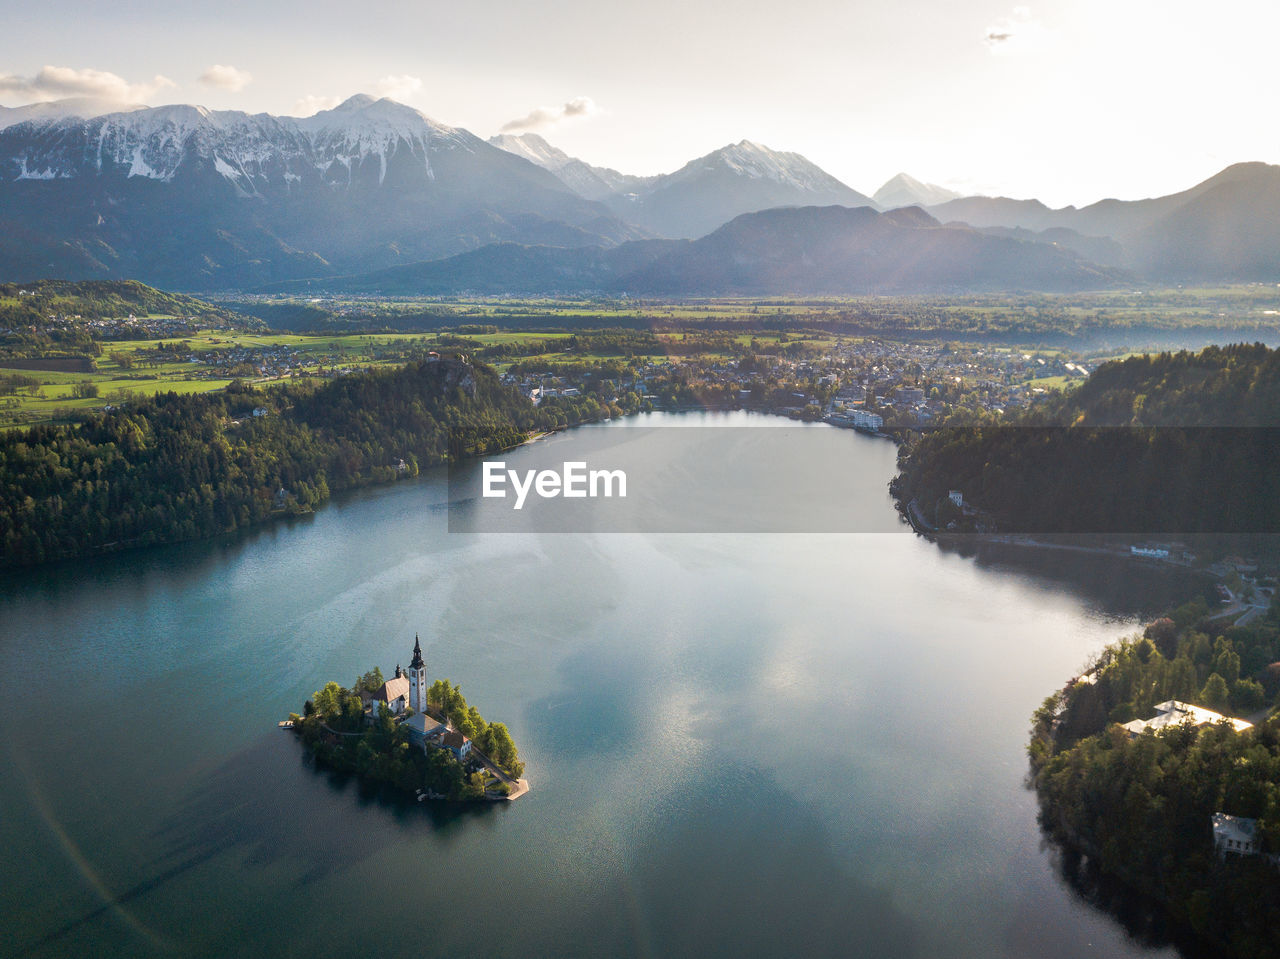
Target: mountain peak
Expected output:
[363,119]
[534,149]
[905,190]
[755,161]
[85,108]
[355,102]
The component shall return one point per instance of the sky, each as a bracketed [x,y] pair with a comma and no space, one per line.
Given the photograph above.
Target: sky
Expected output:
[1068,101]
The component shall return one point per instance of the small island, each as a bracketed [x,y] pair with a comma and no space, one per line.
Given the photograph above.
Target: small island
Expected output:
[1158,773]
[421,739]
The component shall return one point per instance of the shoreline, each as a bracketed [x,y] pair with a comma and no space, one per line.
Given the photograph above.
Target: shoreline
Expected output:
[518,787]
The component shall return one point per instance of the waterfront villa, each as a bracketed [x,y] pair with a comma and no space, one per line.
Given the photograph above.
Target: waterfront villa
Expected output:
[1175,713]
[457,744]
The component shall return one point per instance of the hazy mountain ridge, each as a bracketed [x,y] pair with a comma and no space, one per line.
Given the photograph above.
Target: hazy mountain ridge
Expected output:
[1226,228]
[811,250]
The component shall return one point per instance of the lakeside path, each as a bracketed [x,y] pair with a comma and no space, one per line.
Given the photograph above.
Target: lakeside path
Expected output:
[518,786]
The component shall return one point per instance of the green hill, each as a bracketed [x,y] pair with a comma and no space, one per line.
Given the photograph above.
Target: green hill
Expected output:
[1172,443]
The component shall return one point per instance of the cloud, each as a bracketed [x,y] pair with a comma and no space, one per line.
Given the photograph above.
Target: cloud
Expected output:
[1018,34]
[226,78]
[312,103]
[549,116]
[54,82]
[398,88]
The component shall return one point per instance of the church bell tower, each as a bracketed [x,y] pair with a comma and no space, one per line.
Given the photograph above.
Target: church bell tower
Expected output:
[417,674]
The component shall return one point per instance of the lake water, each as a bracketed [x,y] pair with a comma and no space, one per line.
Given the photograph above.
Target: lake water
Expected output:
[739,744]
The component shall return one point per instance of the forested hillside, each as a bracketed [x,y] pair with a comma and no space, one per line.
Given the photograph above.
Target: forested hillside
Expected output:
[1140,808]
[181,467]
[60,317]
[1178,443]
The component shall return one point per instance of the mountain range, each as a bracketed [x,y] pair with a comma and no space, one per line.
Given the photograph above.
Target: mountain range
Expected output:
[190,198]
[181,196]
[830,250]
[703,194]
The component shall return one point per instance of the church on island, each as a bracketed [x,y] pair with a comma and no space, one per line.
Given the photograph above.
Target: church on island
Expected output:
[406,692]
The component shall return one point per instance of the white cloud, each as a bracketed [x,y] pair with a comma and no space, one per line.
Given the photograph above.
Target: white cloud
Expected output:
[225,77]
[54,82]
[312,103]
[1018,34]
[398,88]
[549,116]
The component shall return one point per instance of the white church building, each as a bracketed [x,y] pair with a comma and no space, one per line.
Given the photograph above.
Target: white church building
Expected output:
[407,693]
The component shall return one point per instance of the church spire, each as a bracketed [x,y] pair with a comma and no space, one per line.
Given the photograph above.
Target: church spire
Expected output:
[416,662]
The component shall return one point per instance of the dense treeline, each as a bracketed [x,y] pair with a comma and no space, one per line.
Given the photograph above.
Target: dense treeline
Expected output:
[181,467]
[493,739]
[1139,808]
[1180,442]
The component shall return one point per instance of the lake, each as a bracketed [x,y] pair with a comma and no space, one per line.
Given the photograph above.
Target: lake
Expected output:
[739,743]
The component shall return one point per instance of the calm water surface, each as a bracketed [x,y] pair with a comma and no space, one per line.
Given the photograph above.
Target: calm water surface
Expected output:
[739,745]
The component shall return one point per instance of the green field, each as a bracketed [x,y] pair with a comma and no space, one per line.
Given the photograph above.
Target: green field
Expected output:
[648,330]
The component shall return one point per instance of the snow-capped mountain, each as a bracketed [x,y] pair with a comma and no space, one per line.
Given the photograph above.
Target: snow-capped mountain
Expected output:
[250,151]
[196,198]
[753,161]
[742,177]
[591,182]
[84,107]
[904,190]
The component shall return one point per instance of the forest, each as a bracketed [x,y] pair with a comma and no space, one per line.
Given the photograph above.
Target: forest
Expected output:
[1168,443]
[182,467]
[1139,808]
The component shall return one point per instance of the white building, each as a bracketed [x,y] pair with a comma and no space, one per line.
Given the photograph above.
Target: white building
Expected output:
[1235,834]
[395,693]
[1149,552]
[457,744]
[1174,713]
